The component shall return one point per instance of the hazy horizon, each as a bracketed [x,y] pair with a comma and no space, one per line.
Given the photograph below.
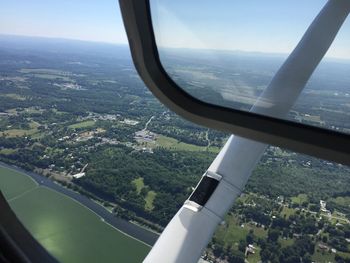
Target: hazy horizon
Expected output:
[216,51]
[267,27]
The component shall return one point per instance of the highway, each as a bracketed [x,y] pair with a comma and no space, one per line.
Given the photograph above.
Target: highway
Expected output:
[124,226]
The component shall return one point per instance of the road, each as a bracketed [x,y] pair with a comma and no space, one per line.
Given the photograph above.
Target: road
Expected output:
[128,228]
[148,122]
[207,138]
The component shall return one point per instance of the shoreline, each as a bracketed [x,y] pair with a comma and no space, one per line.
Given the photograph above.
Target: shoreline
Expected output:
[127,228]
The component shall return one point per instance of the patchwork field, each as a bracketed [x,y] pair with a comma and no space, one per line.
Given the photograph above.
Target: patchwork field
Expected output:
[68,230]
[173,144]
[21,132]
[83,124]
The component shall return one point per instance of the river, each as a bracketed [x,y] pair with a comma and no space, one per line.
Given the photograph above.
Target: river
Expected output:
[128,228]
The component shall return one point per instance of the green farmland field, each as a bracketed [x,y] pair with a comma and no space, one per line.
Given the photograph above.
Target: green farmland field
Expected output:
[68,230]
[83,124]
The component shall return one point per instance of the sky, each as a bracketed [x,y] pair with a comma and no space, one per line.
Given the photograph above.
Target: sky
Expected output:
[94,20]
[272,26]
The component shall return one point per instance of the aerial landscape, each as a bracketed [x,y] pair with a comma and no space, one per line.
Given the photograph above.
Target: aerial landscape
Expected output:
[95,167]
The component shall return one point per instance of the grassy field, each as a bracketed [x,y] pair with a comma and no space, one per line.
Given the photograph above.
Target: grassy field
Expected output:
[33,110]
[254,258]
[41,71]
[14,96]
[6,151]
[286,242]
[232,232]
[46,73]
[51,77]
[287,211]
[301,198]
[150,196]
[171,143]
[149,200]
[139,184]
[21,132]
[342,200]
[322,257]
[68,230]
[83,124]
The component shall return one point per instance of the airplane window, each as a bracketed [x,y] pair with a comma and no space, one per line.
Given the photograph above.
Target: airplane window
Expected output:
[227,53]
[95,167]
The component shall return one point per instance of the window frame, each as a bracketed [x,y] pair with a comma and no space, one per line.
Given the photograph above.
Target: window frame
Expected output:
[310,140]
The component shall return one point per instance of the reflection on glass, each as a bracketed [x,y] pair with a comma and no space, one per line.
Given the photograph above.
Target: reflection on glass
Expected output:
[227,53]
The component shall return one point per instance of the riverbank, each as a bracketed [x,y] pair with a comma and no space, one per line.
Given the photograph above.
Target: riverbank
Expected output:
[135,231]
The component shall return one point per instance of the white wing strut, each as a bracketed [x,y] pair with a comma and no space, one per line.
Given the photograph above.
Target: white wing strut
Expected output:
[190,230]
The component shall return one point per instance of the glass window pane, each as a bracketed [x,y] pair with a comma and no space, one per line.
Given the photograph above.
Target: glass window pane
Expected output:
[227,52]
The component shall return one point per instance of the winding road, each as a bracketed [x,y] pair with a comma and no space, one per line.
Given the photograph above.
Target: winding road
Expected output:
[124,226]
[148,122]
